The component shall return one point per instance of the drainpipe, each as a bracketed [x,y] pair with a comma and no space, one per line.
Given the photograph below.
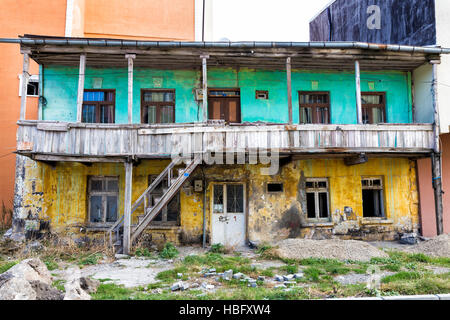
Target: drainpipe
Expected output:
[204,210]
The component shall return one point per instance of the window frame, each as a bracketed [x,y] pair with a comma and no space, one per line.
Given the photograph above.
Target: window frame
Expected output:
[314,106]
[104,195]
[223,111]
[316,191]
[379,188]
[158,105]
[164,210]
[370,106]
[98,105]
[225,197]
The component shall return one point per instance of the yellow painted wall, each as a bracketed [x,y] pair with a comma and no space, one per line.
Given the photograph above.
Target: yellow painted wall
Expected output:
[59,194]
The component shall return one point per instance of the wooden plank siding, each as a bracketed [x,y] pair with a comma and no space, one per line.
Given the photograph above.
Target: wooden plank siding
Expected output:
[146,141]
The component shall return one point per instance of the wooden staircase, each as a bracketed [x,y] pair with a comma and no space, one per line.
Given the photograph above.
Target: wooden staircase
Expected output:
[174,183]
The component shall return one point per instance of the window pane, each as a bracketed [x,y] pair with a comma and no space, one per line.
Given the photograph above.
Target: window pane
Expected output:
[377,115]
[158,217]
[151,114]
[323,205]
[166,114]
[311,205]
[88,113]
[371,99]
[305,115]
[96,185]
[218,199]
[94,96]
[322,115]
[106,114]
[112,185]
[96,212]
[235,198]
[365,115]
[111,208]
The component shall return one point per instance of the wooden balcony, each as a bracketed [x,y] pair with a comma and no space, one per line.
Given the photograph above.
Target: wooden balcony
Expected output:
[62,141]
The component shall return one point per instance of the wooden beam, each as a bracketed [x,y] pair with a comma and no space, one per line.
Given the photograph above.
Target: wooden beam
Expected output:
[23,89]
[81,86]
[358,92]
[205,87]
[127,208]
[436,156]
[289,88]
[130,58]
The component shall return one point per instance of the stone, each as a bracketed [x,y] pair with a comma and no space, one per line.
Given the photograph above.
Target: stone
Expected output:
[280,286]
[227,275]
[279,278]
[176,286]
[298,275]
[184,286]
[89,285]
[179,275]
[261,278]
[119,256]
[288,277]
[45,291]
[74,291]
[238,275]
[15,288]
[252,284]
[32,270]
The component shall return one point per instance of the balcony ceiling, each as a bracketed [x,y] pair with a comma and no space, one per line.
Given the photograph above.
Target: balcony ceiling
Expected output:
[262,55]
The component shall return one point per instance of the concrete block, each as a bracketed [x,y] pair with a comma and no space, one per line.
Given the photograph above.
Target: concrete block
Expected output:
[443,296]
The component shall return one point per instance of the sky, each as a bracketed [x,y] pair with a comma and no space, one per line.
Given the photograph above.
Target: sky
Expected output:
[264,20]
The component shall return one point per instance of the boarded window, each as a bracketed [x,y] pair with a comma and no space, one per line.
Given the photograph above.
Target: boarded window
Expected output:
[314,107]
[170,214]
[373,107]
[98,106]
[373,199]
[158,106]
[103,199]
[317,198]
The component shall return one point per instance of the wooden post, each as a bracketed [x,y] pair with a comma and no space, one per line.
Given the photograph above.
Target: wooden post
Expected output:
[81,86]
[130,58]
[23,89]
[127,207]
[205,87]
[436,156]
[358,92]
[289,88]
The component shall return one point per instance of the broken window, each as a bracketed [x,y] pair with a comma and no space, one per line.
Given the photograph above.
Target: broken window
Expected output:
[274,187]
[103,199]
[314,107]
[170,214]
[372,196]
[317,198]
[373,107]
[233,195]
[158,106]
[98,106]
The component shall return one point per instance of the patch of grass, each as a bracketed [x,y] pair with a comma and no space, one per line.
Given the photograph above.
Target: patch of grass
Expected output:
[59,284]
[217,248]
[170,275]
[91,259]
[267,273]
[5,266]
[169,251]
[403,275]
[220,262]
[290,269]
[110,291]
[51,264]
[427,284]
[313,274]
[263,248]
[104,280]
[143,252]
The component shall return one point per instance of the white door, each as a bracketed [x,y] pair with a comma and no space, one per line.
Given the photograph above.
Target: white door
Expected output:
[228,214]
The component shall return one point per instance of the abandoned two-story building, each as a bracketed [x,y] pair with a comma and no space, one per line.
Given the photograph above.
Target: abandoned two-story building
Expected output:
[222,142]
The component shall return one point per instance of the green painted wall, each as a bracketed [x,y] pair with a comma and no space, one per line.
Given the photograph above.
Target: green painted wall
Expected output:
[60,90]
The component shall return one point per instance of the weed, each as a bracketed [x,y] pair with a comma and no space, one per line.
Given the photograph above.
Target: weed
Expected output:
[59,284]
[143,252]
[217,248]
[403,275]
[51,264]
[170,275]
[90,259]
[110,291]
[267,273]
[313,273]
[5,266]
[263,248]
[290,268]
[169,251]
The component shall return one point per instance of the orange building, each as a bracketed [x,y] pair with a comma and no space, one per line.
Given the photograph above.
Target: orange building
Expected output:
[143,19]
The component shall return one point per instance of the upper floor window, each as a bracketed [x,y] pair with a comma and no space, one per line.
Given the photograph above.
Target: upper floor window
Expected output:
[314,107]
[158,106]
[98,106]
[373,107]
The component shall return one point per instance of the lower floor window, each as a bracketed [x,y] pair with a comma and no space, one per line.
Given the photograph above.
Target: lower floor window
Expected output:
[228,198]
[103,199]
[372,196]
[317,198]
[170,214]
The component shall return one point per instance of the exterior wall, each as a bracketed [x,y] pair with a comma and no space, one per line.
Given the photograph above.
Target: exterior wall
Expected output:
[20,17]
[62,99]
[410,22]
[427,209]
[59,195]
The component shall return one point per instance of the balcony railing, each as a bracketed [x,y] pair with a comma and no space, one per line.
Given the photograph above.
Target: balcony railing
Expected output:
[62,139]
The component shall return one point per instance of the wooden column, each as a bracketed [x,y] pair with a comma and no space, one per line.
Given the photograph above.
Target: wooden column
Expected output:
[81,86]
[127,207]
[289,88]
[358,93]
[23,89]
[436,156]
[205,87]
[130,58]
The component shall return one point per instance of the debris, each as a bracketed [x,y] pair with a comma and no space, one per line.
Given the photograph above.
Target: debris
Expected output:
[332,249]
[238,275]
[227,275]
[409,238]
[89,285]
[288,277]
[436,247]
[279,278]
